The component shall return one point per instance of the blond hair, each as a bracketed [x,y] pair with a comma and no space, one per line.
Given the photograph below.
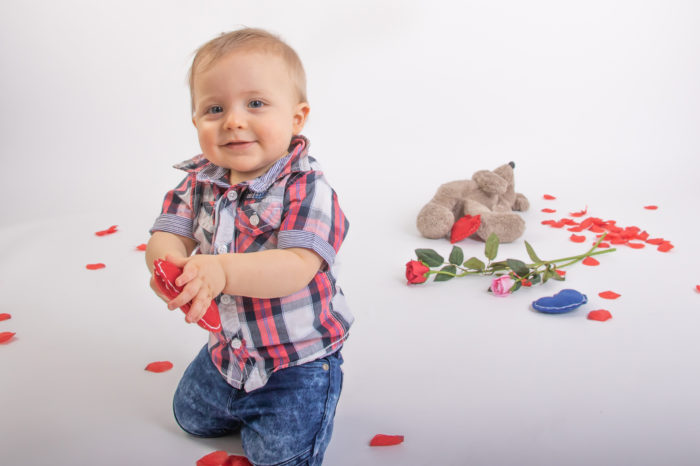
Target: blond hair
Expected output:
[248,39]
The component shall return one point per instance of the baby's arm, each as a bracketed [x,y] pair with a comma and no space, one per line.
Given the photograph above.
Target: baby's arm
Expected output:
[271,273]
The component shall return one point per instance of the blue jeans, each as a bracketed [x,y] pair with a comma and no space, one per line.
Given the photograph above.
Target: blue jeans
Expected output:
[288,421]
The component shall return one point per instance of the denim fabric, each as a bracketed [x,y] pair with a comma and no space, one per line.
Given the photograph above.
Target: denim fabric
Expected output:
[288,421]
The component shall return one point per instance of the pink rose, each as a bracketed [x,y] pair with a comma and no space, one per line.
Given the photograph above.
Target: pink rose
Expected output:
[501,286]
[415,272]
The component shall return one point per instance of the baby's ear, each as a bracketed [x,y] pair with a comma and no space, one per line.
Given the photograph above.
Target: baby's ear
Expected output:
[300,115]
[194,122]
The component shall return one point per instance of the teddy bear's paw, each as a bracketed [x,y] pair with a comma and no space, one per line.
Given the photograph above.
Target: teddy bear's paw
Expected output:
[507,226]
[435,221]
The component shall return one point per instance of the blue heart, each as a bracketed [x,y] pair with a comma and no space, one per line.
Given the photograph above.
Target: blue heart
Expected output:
[564,301]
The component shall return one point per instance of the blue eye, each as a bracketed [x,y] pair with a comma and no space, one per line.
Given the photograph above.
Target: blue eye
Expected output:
[216,109]
[256,104]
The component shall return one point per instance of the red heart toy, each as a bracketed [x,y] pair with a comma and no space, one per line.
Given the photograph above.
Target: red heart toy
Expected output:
[166,273]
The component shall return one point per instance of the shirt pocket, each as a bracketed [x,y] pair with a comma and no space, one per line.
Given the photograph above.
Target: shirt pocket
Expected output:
[258,217]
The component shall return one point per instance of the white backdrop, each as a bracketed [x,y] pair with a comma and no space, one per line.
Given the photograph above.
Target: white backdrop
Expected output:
[597,103]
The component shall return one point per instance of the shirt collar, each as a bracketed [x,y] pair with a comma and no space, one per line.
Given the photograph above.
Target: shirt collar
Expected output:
[296,160]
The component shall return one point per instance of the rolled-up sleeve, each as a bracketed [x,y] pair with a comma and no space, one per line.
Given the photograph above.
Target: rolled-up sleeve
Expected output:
[312,218]
[176,215]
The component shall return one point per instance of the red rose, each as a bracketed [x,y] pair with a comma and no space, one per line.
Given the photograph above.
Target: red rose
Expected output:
[415,272]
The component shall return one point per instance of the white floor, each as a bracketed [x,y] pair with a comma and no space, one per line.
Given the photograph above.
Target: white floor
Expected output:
[598,106]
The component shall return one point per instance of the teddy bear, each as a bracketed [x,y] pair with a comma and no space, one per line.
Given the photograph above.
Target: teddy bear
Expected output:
[489,194]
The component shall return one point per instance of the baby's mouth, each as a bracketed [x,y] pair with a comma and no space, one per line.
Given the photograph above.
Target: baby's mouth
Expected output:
[238,144]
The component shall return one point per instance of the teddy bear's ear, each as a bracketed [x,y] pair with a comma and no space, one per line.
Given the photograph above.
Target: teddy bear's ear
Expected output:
[490,182]
[506,172]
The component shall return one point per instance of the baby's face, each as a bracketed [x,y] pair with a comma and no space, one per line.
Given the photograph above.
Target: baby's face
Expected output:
[246,110]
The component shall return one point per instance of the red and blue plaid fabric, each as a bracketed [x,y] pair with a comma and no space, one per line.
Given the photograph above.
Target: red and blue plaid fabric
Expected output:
[292,205]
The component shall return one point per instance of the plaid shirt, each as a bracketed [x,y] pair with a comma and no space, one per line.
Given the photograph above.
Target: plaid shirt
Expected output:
[292,205]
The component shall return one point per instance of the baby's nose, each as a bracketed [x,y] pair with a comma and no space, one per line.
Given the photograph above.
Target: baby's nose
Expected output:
[235,119]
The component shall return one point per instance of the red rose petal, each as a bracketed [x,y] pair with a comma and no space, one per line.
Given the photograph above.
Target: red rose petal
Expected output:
[6,336]
[580,213]
[141,247]
[697,288]
[604,245]
[381,440]
[5,317]
[651,207]
[561,272]
[549,197]
[548,211]
[465,227]
[636,245]
[656,241]
[665,246]
[236,460]
[215,458]
[160,366]
[590,261]
[108,231]
[609,295]
[600,315]
[97,266]
[548,222]
[577,238]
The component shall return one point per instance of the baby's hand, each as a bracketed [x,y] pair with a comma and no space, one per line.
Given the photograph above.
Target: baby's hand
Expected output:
[202,279]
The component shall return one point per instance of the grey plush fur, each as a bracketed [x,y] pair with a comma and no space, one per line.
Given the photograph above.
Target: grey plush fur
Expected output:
[490,194]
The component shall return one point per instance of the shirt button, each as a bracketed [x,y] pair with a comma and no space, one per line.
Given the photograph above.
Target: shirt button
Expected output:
[232,195]
[236,343]
[225,299]
[254,220]
[222,249]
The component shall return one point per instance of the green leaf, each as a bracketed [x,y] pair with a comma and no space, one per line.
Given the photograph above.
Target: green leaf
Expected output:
[531,253]
[443,278]
[475,264]
[535,279]
[456,256]
[518,267]
[500,265]
[429,257]
[557,277]
[516,286]
[546,275]
[491,249]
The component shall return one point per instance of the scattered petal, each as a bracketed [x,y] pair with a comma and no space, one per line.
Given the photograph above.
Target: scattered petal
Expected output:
[549,211]
[6,336]
[141,247]
[160,366]
[609,295]
[108,231]
[215,458]
[636,245]
[580,213]
[600,315]
[590,261]
[561,272]
[604,245]
[97,266]
[236,460]
[548,222]
[577,238]
[549,197]
[665,246]
[697,288]
[5,317]
[651,207]
[465,227]
[656,241]
[381,440]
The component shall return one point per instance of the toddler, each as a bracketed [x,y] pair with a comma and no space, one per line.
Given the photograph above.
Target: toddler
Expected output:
[266,227]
